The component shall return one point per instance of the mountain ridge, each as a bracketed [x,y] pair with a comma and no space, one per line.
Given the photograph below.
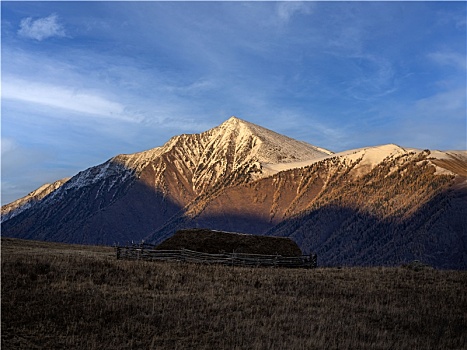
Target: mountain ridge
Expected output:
[242,177]
[14,208]
[134,164]
[187,166]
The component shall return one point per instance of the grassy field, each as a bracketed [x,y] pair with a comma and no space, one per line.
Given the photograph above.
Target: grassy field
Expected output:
[58,296]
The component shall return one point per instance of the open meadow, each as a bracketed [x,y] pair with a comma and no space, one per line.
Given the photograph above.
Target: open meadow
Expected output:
[56,296]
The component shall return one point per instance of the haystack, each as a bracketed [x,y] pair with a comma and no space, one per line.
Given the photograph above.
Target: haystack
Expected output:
[213,242]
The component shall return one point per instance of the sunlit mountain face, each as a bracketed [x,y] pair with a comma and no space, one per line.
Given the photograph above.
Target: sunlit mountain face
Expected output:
[380,205]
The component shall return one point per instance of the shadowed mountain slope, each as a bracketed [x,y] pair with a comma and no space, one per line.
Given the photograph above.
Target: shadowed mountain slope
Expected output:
[377,206]
[130,196]
[381,205]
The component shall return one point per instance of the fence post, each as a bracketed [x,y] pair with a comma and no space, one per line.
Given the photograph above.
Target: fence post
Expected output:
[313,260]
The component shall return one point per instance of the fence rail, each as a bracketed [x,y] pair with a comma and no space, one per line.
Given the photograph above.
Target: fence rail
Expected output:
[145,252]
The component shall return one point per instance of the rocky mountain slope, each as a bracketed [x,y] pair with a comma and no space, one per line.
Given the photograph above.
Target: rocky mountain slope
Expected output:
[131,196]
[382,205]
[14,208]
[374,206]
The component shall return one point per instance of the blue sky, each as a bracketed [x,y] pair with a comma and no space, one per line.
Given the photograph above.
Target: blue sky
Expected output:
[84,81]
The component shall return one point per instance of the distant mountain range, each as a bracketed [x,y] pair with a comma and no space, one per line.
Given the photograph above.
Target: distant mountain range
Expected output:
[383,205]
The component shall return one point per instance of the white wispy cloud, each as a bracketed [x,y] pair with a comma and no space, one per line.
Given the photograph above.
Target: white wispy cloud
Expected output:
[22,169]
[287,9]
[137,73]
[192,88]
[56,96]
[437,121]
[447,104]
[118,90]
[8,145]
[41,28]
[449,58]
[376,78]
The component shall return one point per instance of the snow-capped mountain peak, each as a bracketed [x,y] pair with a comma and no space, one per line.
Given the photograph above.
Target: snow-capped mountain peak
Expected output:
[239,176]
[188,165]
[201,160]
[272,146]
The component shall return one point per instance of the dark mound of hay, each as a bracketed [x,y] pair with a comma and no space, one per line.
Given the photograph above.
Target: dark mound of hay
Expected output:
[213,242]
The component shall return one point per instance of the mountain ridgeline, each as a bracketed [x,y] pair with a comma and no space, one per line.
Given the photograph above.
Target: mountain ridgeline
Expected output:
[383,205]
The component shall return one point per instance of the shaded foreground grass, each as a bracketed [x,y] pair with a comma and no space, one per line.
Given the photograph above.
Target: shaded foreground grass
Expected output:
[56,296]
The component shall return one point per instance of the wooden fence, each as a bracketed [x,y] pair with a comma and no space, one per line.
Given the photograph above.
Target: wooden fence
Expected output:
[146,252]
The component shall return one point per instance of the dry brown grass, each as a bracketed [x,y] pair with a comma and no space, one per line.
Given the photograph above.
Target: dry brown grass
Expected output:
[60,296]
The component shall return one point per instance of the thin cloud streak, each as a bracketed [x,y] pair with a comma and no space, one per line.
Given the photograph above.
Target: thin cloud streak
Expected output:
[450,103]
[375,78]
[104,78]
[66,98]
[449,58]
[287,9]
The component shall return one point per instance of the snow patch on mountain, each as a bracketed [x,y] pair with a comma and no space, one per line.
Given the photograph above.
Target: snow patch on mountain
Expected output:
[234,152]
[450,163]
[15,208]
[368,158]
[273,147]
[110,169]
[201,160]
[236,145]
